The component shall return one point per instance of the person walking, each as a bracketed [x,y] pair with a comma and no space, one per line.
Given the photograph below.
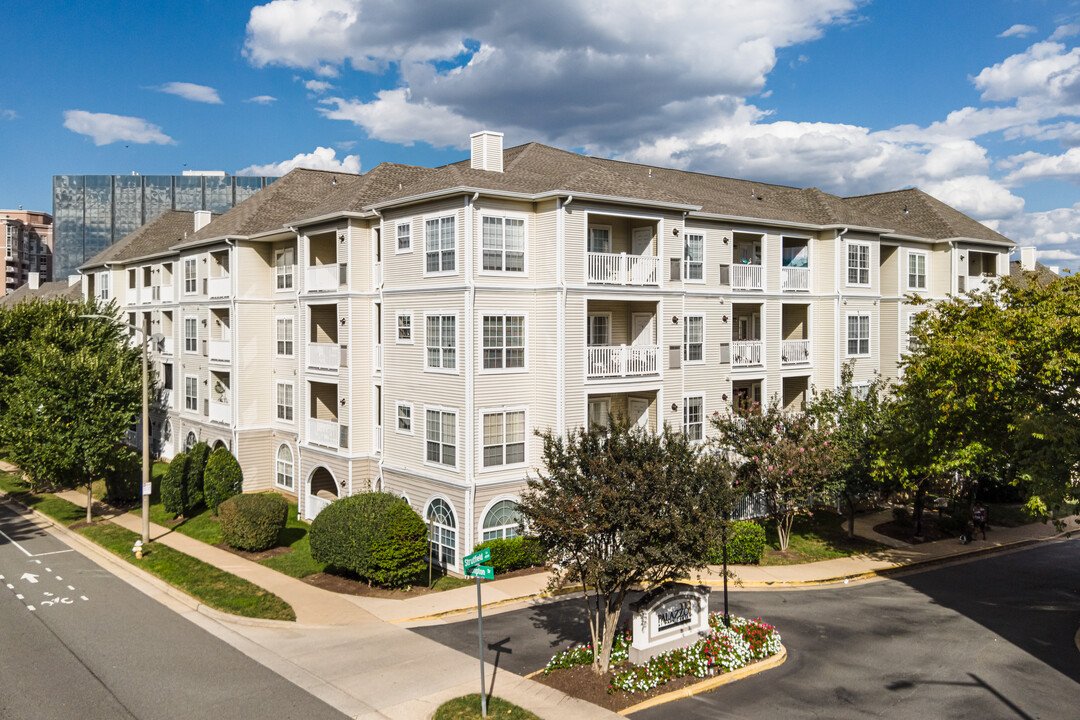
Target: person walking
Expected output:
[979,516]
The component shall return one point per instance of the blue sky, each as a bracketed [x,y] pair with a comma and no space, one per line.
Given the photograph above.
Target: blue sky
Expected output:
[976,103]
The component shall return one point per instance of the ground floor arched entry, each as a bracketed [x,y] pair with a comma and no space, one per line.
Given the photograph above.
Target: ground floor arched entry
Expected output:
[321,491]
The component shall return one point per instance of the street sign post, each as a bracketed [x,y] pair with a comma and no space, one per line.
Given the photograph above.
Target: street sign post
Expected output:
[480,556]
[473,568]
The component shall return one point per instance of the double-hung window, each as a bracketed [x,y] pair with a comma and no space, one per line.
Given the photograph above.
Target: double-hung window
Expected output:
[191,393]
[285,401]
[404,328]
[858,334]
[103,286]
[693,417]
[284,336]
[916,273]
[284,467]
[191,276]
[858,264]
[284,262]
[694,338]
[441,341]
[600,239]
[503,244]
[504,342]
[599,331]
[404,418]
[693,256]
[191,334]
[404,237]
[504,438]
[439,243]
[441,434]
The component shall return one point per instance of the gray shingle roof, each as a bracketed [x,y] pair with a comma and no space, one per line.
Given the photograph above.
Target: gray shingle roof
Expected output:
[1041,275]
[155,237]
[47,291]
[913,212]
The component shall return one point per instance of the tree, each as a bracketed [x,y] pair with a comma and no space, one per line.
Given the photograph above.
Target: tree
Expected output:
[616,509]
[857,421]
[719,482]
[783,457]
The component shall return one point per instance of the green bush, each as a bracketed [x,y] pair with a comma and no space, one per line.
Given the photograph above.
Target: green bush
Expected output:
[123,480]
[746,545]
[222,479]
[515,553]
[253,522]
[173,488]
[375,535]
[902,516]
[193,477]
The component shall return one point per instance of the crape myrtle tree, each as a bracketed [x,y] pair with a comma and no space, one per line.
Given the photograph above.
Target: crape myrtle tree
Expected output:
[617,508]
[720,483]
[72,388]
[783,457]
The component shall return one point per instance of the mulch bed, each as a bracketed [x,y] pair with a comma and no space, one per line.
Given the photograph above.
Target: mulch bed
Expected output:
[351,585]
[255,556]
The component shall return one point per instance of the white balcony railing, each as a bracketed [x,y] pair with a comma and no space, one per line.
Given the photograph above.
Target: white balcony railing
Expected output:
[164,293]
[623,269]
[376,275]
[746,277]
[314,506]
[603,361]
[131,297]
[323,356]
[323,278]
[221,351]
[977,283]
[378,357]
[378,438]
[794,278]
[218,287]
[746,353]
[323,432]
[221,413]
[146,294]
[167,345]
[793,352]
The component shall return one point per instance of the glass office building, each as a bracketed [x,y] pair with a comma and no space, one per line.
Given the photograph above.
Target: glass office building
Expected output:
[92,212]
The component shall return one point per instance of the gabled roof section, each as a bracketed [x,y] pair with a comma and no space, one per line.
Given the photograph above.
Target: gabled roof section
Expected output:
[47,291]
[913,212]
[383,180]
[1041,275]
[153,238]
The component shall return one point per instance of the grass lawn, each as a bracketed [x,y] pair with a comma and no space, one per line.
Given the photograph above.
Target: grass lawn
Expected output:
[822,536]
[298,563]
[468,707]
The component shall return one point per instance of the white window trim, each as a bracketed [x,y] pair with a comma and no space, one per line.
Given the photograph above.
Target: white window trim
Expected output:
[397,229]
[277,405]
[869,334]
[704,419]
[291,270]
[589,227]
[412,330]
[457,439]
[412,421]
[457,527]
[104,285]
[292,337]
[597,399]
[588,318]
[480,440]
[905,331]
[457,345]
[704,339]
[457,254]
[488,508]
[524,272]
[194,261]
[287,488]
[184,335]
[848,266]
[196,379]
[524,341]
[926,269]
[704,258]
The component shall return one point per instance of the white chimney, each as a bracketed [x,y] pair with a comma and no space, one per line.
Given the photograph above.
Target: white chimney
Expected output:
[34,280]
[1056,269]
[487,151]
[74,280]
[1027,258]
[202,219]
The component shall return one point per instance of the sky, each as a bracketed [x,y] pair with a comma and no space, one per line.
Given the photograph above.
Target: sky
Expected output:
[977,103]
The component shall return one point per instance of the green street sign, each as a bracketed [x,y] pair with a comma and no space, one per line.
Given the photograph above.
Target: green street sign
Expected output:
[481,571]
[477,557]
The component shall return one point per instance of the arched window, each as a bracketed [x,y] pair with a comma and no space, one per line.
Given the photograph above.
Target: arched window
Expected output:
[283,475]
[443,533]
[190,441]
[502,521]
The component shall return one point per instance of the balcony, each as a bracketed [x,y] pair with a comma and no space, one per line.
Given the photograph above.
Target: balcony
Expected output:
[220,351]
[795,279]
[218,287]
[746,277]
[747,353]
[623,269]
[131,297]
[325,278]
[221,413]
[314,506]
[795,352]
[618,361]
[975,283]
[325,433]
[167,345]
[323,356]
[146,294]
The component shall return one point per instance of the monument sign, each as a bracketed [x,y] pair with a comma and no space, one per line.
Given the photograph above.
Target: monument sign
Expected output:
[669,616]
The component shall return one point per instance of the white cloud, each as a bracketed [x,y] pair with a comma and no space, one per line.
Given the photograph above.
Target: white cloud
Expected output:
[8,114]
[1065,31]
[977,196]
[322,158]
[1056,233]
[262,99]
[106,128]
[391,117]
[318,86]
[1036,166]
[1044,73]
[1019,31]
[1057,255]
[191,91]
[345,145]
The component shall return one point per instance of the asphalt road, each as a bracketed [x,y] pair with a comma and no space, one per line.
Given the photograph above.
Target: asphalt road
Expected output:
[992,638]
[77,642]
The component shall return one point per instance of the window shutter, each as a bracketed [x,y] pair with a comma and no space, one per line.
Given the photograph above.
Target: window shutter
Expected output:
[674,357]
[344,360]
[206,407]
[343,274]
[676,270]
[725,353]
[725,274]
[960,283]
[343,436]
[205,348]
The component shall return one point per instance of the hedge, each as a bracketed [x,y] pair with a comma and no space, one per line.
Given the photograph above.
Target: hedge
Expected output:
[193,478]
[222,479]
[173,488]
[375,535]
[253,522]
[746,545]
[515,553]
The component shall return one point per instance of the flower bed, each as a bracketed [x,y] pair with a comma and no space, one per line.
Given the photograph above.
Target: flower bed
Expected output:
[724,650]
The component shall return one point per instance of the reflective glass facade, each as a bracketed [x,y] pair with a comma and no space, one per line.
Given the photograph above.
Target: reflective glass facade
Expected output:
[93,211]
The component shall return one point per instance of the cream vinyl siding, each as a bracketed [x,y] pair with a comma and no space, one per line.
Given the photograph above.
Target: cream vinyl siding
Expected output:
[875,265]
[893,270]
[312,458]
[403,270]
[454,208]
[940,270]
[493,207]
[889,345]
[253,270]
[545,251]
[823,263]
[255,452]
[865,367]
[253,340]
[824,341]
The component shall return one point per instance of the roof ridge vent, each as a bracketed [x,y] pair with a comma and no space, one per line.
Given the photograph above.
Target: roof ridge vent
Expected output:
[487,151]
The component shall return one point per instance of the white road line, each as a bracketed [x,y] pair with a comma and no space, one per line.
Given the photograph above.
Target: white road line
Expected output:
[30,608]
[27,552]
[30,554]
[54,552]
[84,597]
[59,579]
[18,596]
[48,569]
[38,562]
[70,587]
[10,586]
[1,577]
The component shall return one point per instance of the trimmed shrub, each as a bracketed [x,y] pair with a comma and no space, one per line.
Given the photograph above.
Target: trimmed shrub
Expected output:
[375,535]
[193,477]
[746,545]
[222,479]
[123,480]
[253,522]
[516,553]
[173,488]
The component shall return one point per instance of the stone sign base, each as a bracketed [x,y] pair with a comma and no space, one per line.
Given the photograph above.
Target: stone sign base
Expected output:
[669,616]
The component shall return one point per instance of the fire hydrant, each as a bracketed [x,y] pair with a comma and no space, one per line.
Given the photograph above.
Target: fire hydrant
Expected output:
[137,549]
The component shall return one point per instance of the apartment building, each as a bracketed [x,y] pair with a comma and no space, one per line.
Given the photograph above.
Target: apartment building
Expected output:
[28,248]
[410,328]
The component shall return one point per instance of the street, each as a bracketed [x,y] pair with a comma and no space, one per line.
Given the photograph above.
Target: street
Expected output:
[991,638]
[77,642]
